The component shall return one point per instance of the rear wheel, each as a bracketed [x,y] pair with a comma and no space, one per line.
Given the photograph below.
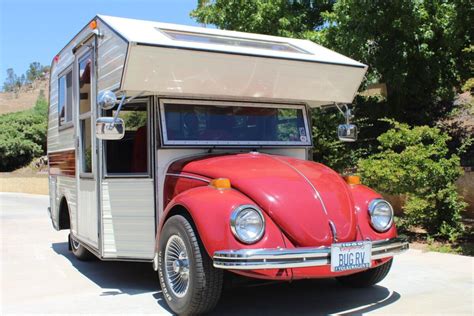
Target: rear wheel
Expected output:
[189,282]
[367,278]
[79,251]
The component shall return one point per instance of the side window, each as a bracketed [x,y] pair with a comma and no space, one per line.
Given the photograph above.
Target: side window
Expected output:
[65,98]
[85,114]
[130,154]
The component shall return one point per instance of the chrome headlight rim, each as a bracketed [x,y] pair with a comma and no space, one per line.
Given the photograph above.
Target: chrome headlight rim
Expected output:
[233,223]
[372,206]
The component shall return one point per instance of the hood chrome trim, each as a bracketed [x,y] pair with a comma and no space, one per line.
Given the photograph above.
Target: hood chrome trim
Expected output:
[181,175]
[331,224]
[307,181]
[333,230]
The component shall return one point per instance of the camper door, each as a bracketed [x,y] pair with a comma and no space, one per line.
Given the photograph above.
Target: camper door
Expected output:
[86,160]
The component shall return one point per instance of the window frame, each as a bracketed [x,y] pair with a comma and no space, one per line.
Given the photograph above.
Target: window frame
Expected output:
[141,175]
[64,73]
[85,116]
[165,143]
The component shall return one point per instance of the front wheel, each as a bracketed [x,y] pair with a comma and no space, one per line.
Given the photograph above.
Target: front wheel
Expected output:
[189,282]
[367,278]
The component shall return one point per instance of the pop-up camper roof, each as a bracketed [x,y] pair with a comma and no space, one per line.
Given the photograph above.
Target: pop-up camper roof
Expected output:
[169,59]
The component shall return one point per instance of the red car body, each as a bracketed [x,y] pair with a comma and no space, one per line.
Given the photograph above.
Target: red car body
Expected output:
[300,201]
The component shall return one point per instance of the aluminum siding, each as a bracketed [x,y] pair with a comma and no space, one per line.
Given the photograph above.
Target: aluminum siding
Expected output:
[128,212]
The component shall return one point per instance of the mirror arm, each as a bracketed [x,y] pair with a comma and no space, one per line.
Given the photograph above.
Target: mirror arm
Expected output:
[347,113]
[338,106]
[118,112]
[136,96]
[122,102]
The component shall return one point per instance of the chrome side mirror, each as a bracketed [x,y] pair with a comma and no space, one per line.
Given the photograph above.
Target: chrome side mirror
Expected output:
[106,100]
[347,132]
[109,128]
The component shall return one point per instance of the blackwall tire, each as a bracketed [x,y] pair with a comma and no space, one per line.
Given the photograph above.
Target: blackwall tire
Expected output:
[367,278]
[189,282]
[79,251]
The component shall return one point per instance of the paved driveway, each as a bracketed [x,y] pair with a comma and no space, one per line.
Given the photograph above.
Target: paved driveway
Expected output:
[40,275]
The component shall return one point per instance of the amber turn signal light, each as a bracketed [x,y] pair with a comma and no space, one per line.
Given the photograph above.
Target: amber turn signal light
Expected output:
[352,179]
[220,183]
[93,25]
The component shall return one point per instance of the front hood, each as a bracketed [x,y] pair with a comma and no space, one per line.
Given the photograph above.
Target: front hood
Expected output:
[302,197]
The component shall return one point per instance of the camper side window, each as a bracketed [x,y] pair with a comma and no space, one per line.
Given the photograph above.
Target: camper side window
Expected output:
[65,99]
[129,156]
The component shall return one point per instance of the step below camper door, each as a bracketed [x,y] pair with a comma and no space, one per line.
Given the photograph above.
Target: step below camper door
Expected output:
[127,187]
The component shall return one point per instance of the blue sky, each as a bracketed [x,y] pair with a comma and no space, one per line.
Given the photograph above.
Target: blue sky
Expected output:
[35,30]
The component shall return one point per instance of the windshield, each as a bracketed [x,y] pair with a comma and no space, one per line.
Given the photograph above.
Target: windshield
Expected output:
[222,123]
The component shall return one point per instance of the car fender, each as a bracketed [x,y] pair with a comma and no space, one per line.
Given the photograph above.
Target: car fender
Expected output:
[362,196]
[210,210]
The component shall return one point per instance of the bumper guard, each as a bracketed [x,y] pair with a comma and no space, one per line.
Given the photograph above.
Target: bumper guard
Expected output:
[281,258]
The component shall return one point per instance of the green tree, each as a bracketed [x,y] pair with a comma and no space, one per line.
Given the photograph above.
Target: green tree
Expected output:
[10,81]
[273,17]
[34,71]
[414,47]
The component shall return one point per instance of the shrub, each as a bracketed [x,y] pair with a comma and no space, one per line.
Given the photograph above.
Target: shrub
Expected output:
[23,136]
[416,162]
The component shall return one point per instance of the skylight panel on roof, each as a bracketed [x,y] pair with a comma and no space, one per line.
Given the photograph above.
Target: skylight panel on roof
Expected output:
[231,41]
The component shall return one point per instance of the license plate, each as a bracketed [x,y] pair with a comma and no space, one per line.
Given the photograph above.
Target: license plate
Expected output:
[351,256]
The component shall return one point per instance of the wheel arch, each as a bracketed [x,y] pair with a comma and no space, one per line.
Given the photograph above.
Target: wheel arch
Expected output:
[64,216]
[172,210]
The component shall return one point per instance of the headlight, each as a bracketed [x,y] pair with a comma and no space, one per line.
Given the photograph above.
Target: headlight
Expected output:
[247,224]
[381,215]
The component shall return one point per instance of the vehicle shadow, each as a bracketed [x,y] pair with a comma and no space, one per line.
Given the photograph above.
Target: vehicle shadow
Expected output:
[114,277]
[304,297]
[315,297]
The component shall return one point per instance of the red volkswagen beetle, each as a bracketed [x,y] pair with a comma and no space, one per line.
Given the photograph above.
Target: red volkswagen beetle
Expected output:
[264,215]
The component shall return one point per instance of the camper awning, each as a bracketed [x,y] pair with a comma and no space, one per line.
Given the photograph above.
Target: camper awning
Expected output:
[170,59]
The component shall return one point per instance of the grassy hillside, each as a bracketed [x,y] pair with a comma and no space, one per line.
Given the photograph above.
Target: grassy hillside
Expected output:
[25,99]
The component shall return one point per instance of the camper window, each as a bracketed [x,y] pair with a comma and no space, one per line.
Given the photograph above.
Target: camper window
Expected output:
[130,154]
[85,65]
[85,114]
[65,99]
[228,124]
[231,41]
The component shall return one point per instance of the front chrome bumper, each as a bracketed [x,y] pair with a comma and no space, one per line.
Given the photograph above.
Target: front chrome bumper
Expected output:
[281,258]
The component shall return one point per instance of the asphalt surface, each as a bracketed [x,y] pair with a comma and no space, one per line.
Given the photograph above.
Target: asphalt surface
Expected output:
[40,275]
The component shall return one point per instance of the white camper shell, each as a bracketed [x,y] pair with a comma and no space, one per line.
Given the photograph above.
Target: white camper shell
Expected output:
[110,203]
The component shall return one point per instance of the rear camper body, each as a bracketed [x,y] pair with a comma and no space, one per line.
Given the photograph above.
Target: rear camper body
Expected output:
[157,131]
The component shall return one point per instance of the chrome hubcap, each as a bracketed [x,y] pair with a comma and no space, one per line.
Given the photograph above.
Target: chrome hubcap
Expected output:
[75,244]
[177,266]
